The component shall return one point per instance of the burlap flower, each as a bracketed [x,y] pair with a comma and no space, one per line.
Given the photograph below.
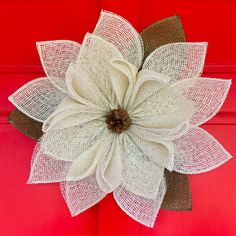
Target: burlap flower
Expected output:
[113,123]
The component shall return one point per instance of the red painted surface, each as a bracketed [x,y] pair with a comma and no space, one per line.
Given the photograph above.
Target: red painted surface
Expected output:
[39,210]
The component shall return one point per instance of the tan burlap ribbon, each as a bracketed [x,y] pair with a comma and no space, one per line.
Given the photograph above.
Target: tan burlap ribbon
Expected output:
[168,30]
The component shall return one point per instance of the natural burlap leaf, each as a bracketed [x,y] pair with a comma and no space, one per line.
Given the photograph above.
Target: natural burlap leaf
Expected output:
[178,195]
[168,30]
[25,124]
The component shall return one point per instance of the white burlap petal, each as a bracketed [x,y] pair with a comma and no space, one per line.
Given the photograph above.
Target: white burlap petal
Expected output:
[207,94]
[178,60]
[102,158]
[141,209]
[70,113]
[82,194]
[163,109]
[94,62]
[197,152]
[140,174]
[37,99]
[84,165]
[68,144]
[160,152]
[45,168]
[148,82]
[155,134]
[123,76]
[108,173]
[55,58]
[118,31]
[84,90]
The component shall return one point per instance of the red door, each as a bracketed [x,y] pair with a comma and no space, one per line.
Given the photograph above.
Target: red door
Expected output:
[39,210]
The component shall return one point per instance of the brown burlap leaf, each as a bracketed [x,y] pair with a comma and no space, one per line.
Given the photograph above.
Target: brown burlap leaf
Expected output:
[25,124]
[178,195]
[168,30]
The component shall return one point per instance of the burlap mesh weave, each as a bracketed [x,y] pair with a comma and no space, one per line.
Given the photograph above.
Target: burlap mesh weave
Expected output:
[168,30]
[178,195]
[25,124]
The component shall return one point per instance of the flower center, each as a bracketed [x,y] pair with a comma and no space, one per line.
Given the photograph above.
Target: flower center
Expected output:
[118,120]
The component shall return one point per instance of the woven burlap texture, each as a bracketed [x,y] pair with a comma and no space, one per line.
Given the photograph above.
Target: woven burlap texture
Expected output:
[165,99]
[178,195]
[168,30]
[25,124]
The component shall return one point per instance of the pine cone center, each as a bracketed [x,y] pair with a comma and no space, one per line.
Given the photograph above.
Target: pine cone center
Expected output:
[118,120]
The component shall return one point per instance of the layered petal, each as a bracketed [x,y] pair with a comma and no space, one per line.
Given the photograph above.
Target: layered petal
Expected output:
[109,167]
[82,88]
[207,95]
[178,60]
[45,168]
[55,58]
[197,152]
[38,99]
[167,30]
[148,82]
[121,33]
[159,152]
[84,165]
[82,194]
[164,134]
[141,209]
[68,144]
[140,175]
[70,113]
[163,109]
[102,158]
[94,62]
[123,76]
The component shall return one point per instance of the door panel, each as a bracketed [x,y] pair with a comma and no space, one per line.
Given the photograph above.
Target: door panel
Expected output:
[39,210]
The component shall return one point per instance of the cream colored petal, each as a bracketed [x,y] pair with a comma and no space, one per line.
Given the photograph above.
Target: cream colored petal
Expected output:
[123,76]
[37,99]
[159,152]
[163,109]
[178,60]
[140,175]
[84,165]
[155,134]
[109,167]
[70,113]
[148,82]
[55,58]
[46,169]
[141,209]
[94,62]
[118,31]
[104,159]
[68,144]
[81,88]
[207,95]
[82,194]
[197,152]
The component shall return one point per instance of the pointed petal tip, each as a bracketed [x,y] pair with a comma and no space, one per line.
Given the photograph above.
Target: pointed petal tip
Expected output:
[199,138]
